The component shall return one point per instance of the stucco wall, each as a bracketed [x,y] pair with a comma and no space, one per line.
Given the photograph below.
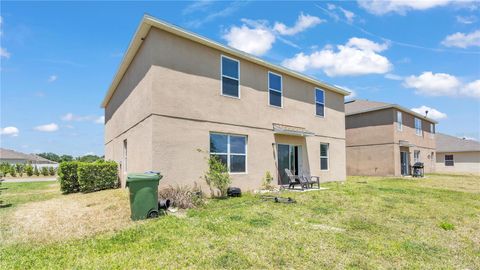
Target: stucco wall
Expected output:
[464,162]
[176,143]
[371,160]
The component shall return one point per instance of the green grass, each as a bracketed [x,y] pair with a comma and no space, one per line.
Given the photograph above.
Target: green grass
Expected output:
[363,224]
[24,192]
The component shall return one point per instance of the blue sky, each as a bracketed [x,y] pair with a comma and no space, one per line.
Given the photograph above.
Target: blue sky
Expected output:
[58,58]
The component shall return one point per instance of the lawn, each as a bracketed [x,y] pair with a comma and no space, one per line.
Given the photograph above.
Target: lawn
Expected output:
[366,223]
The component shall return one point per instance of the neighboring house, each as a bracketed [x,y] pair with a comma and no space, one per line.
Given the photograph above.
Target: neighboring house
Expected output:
[457,155]
[178,97]
[14,157]
[387,139]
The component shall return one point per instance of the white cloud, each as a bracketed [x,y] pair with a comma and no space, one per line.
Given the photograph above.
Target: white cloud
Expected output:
[80,118]
[303,22]
[367,45]
[52,78]
[348,15]
[357,57]
[433,84]
[466,19]
[4,53]
[10,131]
[394,77]
[462,40]
[441,84]
[256,40]
[381,7]
[200,5]
[432,113]
[47,128]
[472,89]
[100,120]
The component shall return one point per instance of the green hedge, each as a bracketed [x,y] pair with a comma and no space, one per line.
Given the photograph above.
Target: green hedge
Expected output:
[97,175]
[67,175]
[77,176]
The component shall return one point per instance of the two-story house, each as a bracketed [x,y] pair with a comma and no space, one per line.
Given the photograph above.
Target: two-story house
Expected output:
[387,139]
[179,97]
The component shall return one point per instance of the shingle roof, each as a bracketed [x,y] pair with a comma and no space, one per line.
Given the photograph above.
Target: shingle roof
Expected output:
[358,106]
[12,154]
[447,143]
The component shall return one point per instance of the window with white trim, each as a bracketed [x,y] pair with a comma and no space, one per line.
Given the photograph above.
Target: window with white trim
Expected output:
[416,156]
[230,70]
[319,102]
[449,160]
[324,156]
[432,130]
[399,121]
[231,150]
[275,89]
[418,126]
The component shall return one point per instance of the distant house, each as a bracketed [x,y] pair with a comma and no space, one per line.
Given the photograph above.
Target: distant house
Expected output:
[14,157]
[457,155]
[387,139]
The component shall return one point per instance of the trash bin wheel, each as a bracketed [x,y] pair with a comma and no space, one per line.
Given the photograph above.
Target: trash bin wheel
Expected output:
[152,214]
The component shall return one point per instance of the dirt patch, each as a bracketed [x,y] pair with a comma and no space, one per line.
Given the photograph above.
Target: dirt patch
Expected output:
[70,216]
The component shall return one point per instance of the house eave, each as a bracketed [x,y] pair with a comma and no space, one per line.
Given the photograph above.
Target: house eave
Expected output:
[394,106]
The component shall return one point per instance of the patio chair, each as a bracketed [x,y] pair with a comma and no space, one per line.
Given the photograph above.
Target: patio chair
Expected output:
[309,180]
[293,179]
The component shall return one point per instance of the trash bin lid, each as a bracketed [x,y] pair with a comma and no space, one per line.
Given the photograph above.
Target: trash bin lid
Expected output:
[134,177]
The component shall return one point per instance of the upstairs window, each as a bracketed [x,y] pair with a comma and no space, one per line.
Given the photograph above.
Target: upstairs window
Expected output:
[324,156]
[449,160]
[399,121]
[432,130]
[230,69]
[275,89]
[231,150]
[416,156]
[319,102]
[418,126]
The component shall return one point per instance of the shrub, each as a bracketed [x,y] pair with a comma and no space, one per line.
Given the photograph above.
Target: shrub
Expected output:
[13,172]
[97,176]
[182,196]
[29,170]
[51,171]
[217,176]
[447,226]
[67,174]
[19,167]
[44,171]
[267,181]
[36,171]
[5,168]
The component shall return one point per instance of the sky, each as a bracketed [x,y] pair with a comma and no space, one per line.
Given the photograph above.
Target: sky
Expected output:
[59,58]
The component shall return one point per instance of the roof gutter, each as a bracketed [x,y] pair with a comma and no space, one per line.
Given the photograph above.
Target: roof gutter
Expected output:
[149,21]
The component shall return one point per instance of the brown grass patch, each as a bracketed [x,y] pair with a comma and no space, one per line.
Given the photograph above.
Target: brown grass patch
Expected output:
[69,216]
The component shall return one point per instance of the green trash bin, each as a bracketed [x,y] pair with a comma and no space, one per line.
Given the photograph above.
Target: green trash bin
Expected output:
[143,189]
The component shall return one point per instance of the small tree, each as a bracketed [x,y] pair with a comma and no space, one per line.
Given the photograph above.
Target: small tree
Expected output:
[36,171]
[267,181]
[51,171]
[29,170]
[217,176]
[5,168]
[44,171]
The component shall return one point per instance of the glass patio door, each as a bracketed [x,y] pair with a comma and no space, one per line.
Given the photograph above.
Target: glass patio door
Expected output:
[404,163]
[289,157]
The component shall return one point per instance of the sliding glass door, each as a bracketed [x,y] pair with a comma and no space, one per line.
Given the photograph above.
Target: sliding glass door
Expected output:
[289,157]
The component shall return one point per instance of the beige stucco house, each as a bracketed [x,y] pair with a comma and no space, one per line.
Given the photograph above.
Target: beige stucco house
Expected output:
[457,155]
[178,98]
[386,139]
